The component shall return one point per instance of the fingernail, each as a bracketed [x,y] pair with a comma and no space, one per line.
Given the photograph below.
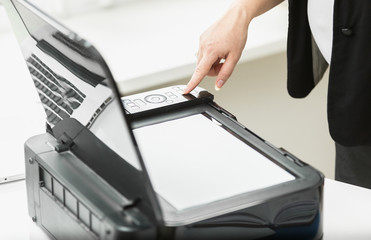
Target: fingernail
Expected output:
[218,85]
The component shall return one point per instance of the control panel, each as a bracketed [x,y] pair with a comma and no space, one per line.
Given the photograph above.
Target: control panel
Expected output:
[163,97]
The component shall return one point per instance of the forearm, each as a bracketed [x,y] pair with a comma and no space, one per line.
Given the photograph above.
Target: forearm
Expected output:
[249,9]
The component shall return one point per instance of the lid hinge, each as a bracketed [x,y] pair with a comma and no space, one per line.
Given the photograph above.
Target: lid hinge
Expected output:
[224,112]
[131,204]
[292,158]
[64,143]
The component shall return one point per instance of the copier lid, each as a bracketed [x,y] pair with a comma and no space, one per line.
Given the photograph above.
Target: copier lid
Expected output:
[74,82]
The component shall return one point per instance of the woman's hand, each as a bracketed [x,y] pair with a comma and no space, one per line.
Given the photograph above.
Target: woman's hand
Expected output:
[222,44]
[220,48]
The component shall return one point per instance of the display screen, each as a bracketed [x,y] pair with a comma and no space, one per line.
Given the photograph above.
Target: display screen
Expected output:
[194,160]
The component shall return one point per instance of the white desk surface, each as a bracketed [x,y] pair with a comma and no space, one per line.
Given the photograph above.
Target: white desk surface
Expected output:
[147,42]
[346,213]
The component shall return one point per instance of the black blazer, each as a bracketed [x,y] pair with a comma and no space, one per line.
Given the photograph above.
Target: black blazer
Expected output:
[349,91]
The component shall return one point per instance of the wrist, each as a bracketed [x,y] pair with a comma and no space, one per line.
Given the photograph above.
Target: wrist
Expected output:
[249,9]
[245,10]
[240,13]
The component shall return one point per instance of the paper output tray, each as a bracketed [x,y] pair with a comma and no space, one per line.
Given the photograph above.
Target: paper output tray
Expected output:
[63,193]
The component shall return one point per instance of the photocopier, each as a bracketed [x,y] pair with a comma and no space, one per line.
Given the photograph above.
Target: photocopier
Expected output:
[153,165]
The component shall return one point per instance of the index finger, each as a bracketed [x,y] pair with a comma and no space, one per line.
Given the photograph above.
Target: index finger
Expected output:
[201,71]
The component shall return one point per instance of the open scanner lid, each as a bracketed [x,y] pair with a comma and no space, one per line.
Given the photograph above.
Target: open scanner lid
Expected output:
[75,83]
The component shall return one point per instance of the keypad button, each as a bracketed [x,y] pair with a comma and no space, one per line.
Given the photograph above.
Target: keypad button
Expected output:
[131,104]
[155,98]
[139,102]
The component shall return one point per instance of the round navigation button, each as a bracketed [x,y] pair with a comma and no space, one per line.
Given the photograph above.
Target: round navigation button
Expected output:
[155,98]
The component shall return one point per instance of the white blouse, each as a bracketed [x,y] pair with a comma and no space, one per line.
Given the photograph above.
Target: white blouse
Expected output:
[320,16]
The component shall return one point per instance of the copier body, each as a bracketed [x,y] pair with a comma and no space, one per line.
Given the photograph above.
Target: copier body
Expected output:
[70,201]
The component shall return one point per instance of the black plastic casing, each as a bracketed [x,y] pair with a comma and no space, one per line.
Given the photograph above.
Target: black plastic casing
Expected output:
[65,192]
